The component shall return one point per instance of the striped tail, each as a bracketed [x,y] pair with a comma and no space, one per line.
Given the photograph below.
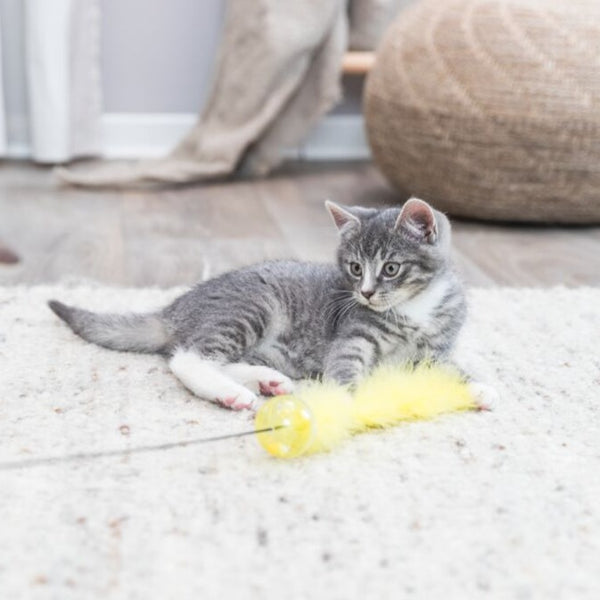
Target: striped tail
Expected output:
[129,332]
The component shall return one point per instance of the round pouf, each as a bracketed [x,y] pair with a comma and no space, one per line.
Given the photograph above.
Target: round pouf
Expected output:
[491,108]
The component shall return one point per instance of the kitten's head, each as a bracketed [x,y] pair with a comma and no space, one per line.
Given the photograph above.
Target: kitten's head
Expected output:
[388,256]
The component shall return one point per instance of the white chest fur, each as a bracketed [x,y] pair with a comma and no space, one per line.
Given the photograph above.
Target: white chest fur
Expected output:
[420,309]
[419,312]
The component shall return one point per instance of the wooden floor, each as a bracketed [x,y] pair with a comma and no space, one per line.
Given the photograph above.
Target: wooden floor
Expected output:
[165,238]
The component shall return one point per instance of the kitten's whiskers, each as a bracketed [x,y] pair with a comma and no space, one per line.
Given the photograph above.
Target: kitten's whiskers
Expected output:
[390,309]
[339,305]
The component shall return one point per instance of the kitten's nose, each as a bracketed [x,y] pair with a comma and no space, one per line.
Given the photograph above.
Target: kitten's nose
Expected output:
[367,293]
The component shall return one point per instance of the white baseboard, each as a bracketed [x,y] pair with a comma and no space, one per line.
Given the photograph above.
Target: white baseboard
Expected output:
[131,136]
[336,137]
[146,135]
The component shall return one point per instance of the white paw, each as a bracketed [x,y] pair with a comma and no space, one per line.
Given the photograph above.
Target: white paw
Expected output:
[278,386]
[261,380]
[485,395]
[243,400]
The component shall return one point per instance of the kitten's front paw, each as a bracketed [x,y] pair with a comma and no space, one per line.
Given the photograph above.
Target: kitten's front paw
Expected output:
[275,387]
[243,401]
[260,379]
[485,395]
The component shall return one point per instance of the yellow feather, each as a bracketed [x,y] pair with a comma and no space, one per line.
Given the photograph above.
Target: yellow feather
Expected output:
[391,394]
[331,407]
[321,415]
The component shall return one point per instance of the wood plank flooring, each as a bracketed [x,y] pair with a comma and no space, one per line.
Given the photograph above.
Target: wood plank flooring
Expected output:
[173,237]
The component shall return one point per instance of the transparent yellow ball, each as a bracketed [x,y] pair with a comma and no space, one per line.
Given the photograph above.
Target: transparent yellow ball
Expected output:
[291,423]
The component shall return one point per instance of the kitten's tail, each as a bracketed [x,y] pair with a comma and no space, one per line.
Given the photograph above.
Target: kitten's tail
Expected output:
[131,333]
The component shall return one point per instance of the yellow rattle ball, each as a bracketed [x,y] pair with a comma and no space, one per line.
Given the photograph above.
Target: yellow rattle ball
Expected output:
[289,425]
[321,415]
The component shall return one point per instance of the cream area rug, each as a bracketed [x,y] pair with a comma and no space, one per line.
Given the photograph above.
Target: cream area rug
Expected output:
[501,504]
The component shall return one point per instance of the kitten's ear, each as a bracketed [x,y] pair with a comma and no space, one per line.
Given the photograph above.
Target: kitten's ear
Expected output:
[342,217]
[418,220]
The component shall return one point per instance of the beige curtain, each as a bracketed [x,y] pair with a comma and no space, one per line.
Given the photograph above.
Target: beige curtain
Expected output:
[277,74]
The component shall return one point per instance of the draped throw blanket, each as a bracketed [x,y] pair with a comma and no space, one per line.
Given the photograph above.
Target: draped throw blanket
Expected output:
[370,18]
[278,73]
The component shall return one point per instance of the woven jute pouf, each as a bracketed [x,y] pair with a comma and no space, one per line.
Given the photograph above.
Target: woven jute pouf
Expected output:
[491,108]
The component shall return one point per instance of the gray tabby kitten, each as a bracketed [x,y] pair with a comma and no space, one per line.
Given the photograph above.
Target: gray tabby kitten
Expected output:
[392,297]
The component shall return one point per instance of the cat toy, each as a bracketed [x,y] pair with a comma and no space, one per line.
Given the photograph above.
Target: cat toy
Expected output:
[319,416]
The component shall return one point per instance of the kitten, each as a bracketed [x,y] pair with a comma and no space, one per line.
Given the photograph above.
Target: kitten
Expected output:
[392,297]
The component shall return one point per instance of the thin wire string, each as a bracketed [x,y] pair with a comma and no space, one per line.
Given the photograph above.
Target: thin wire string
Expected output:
[53,460]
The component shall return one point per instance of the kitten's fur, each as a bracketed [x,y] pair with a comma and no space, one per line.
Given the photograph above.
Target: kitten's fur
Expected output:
[234,336]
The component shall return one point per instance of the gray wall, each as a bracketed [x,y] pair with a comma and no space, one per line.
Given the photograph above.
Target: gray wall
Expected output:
[157,55]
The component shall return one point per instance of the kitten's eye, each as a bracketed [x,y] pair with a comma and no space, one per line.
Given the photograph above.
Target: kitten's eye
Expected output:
[391,269]
[355,269]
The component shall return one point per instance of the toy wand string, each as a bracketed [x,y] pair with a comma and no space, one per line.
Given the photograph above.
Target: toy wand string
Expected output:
[52,460]
[280,412]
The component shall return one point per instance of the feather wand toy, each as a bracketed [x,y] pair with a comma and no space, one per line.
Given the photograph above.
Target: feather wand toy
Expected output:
[319,416]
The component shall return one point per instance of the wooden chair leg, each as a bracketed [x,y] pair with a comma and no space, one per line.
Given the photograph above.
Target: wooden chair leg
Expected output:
[358,63]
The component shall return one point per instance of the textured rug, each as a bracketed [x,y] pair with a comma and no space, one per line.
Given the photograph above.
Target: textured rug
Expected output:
[503,504]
